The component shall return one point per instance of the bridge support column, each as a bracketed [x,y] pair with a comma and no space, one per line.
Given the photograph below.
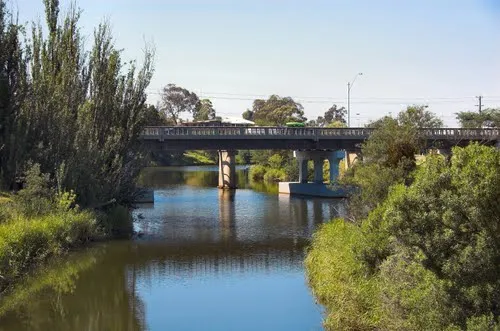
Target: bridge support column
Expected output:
[318,157]
[318,170]
[317,187]
[333,160]
[303,170]
[227,169]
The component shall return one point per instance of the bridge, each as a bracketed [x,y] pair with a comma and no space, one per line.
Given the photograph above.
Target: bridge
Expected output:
[317,144]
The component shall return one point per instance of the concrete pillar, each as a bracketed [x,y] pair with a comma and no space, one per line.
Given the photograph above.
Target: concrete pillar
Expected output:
[318,170]
[227,169]
[333,160]
[303,170]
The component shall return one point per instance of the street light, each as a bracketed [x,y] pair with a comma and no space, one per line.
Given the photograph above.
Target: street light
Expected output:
[349,86]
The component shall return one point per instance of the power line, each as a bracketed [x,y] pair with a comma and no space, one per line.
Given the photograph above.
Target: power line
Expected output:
[330,97]
[377,100]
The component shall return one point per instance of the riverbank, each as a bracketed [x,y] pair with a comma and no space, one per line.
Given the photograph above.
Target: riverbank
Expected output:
[423,258]
[35,230]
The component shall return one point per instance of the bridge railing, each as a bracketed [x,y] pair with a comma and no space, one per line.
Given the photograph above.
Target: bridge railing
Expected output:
[313,133]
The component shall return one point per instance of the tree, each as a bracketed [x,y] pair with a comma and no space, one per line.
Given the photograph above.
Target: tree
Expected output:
[419,117]
[13,84]
[333,118]
[451,215]
[489,118]
[388,157]
[153,117]
[277,111]
[205,111]
[176,100]
[76,112]
[335,114]
[248,115]
[336,124]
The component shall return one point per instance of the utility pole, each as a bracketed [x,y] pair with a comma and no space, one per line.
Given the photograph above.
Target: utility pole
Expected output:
[349,86]
[480,105]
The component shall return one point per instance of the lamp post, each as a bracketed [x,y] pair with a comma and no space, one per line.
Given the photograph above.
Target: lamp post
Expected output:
[349,86]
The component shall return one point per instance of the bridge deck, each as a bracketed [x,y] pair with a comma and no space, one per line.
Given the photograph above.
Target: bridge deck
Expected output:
[178,137]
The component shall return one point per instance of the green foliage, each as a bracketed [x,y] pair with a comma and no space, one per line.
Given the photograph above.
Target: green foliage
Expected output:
[116,222]
[336,124]
[197,158]
[418,116]
[339,281]
[412,297]
[276,161]
[276,111]
[451,213]
[66,200]
[205,111]
[275,175]
[429,250]
[36,198]
[388,158]
[244,157]
[26,242]
[74,111]
[248,115]
[334,117]
[59,276]
[257,172]
[176,100]
[489,118]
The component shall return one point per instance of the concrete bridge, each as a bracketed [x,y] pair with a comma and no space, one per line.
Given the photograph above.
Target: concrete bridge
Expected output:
[317,144]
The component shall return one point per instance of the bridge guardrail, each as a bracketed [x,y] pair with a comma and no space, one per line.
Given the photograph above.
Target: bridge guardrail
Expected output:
[165,132]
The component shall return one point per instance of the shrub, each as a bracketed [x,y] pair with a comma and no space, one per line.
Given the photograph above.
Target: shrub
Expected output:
[117,222]
[275,175]
[340,281]
[257,172]
[36,197]
[27,242]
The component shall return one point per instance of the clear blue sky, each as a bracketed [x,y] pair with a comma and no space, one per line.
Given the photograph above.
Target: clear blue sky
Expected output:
[438,52]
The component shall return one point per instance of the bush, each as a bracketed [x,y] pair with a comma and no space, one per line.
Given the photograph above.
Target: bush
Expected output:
[27,242]
[257,172]
[275,175]
[36,197]
[339,279]
[117,222]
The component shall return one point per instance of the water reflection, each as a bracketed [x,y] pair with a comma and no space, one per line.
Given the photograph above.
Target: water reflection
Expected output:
[87,291]
[206,259]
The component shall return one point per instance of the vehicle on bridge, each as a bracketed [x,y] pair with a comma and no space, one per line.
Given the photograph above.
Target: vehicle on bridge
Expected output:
[295,125]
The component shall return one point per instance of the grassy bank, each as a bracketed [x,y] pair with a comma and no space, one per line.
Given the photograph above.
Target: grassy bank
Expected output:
[28,241]
[38,223]
[424,258]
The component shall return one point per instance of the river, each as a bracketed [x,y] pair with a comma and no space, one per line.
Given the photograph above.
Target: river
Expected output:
[203,259]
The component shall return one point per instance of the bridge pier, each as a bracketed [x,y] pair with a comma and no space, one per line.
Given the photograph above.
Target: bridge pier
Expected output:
[318,158]
[227,169]
[317,187]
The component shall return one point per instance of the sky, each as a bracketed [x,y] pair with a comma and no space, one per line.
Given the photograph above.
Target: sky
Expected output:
[442,53]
